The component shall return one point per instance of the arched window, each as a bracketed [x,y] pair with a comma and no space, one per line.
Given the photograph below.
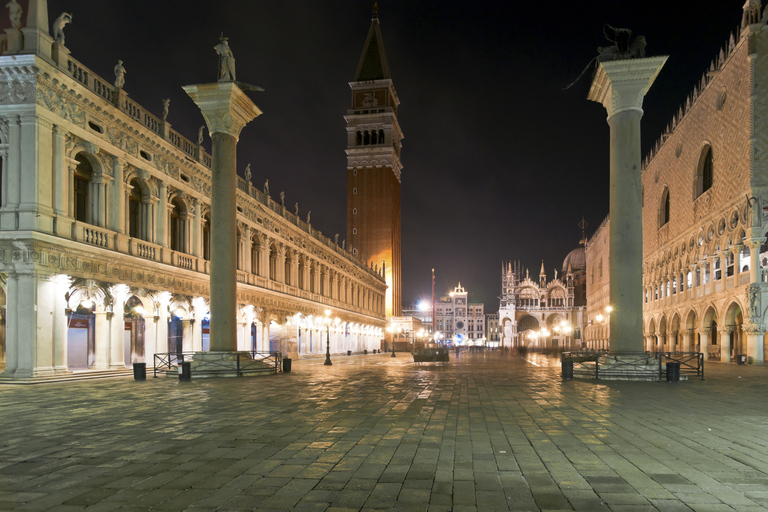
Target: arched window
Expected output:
[255,255]
[366,138]
[381,136]
[704,173]
[136,211]
[83,177]
[207,237]
[273,263]
[664,208]
[312,272]
[178,224]
[301,273]
[239,250]
[287,267]
[359,137]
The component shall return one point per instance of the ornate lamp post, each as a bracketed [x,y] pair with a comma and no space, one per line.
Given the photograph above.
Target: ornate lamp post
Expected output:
[327,321]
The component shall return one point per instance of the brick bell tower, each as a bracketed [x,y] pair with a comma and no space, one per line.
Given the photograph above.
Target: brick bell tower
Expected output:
[373,166]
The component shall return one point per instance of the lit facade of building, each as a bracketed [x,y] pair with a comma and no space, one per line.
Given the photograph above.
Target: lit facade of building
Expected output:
[543,313]
[492,329]
[373,167]
[459,320]
[704,192]
[105,234]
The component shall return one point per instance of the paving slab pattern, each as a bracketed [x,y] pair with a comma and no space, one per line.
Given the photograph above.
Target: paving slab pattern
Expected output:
[485,432]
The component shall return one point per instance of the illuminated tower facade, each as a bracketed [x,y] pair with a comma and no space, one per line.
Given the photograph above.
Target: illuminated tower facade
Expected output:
[373,166]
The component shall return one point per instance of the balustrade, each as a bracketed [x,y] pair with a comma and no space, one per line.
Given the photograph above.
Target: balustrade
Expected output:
[95,236]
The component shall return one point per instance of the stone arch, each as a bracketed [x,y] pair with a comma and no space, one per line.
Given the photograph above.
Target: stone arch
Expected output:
[178,221]
[651,327]
[690,319]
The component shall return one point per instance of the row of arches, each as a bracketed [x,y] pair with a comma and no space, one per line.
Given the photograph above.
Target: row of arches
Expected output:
[184,225]
[270,259]
[369,137]
[715,332]
[173,228]
[102,326]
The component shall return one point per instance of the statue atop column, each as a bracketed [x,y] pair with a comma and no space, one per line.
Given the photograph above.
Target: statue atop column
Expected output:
[621,49]
[226,60]
[58,27]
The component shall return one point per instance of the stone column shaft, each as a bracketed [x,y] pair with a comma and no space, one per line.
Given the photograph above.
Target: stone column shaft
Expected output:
[226,110]
[620,86]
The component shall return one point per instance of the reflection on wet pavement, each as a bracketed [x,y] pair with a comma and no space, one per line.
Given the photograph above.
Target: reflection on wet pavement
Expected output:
[487,431]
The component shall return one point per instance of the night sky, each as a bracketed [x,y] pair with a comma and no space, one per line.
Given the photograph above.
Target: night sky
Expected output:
[499,161]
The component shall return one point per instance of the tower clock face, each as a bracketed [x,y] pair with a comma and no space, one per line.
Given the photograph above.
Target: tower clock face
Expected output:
[459,324]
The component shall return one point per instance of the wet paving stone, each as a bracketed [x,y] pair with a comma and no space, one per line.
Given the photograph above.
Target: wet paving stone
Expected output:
[488,431]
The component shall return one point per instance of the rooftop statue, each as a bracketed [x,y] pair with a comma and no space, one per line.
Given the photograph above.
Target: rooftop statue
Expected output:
[166,106]
[247,173]
[226,60]
[119,75]
[200,135]
[14,13]
[58,27]
[621,49]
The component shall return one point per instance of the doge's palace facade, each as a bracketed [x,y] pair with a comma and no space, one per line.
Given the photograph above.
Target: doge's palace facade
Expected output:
[705,194]
[105,233]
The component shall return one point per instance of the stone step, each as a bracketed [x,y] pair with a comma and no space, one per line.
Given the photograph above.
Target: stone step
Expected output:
[74,376]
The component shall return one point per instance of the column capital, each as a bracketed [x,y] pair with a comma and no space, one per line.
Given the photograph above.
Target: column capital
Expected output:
[225,107]
[751,328]
[621,85]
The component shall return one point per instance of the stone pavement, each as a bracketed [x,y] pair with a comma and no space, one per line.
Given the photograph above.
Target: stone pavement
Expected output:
[486,432]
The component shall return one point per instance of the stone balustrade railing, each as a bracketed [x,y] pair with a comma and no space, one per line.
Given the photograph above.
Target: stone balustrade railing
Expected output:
[119,98]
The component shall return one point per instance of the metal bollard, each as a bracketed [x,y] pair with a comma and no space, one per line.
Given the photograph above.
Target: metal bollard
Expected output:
[185,371]
[287,363]
[673,372]
[567,369]
[139,371]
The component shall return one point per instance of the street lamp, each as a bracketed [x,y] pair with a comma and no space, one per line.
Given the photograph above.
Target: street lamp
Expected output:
[327,321]
[392,332]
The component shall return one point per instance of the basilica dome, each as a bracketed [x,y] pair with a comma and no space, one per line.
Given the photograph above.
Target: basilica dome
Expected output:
[578,260]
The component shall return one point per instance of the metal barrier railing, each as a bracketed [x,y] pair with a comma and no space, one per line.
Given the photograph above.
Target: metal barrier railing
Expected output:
[636,363]
[245,362]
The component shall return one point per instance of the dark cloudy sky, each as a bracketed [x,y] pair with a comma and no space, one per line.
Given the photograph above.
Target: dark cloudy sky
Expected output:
[499,161]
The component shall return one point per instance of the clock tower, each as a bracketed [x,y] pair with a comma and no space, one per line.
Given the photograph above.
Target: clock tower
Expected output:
[373,167]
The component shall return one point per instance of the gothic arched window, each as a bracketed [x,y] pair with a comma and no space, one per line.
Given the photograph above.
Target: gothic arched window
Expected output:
[704,173]
[664,208]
